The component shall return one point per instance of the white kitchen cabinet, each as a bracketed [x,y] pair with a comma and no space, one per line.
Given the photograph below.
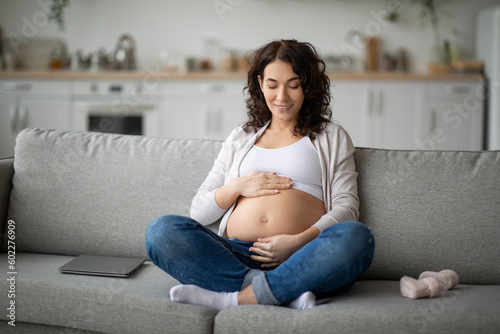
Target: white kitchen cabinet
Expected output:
[382,113]
[453,116]
[397,113]
[201,110]
[33,103]
[379,114]
[348,109]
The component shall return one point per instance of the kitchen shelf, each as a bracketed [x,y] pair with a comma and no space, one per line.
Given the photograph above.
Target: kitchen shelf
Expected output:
[140,75]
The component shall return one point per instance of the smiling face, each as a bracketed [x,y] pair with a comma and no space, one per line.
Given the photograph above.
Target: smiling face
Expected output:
[282,91]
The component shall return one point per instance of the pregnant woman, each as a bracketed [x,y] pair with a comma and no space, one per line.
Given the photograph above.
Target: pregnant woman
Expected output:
[285,186]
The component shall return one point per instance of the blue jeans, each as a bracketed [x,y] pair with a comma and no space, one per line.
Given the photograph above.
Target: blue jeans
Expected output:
[193,254]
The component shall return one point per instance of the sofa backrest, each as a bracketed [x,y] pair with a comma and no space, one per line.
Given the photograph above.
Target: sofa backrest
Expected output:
[91,193]
[432,210]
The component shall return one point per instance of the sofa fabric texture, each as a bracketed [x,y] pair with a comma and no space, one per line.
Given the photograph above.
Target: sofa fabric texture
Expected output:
[72,193]
[95,194]
[431,210]
[134,305]
[373,307]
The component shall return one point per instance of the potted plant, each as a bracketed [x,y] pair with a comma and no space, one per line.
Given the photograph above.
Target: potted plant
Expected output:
[57,12]
[430,11]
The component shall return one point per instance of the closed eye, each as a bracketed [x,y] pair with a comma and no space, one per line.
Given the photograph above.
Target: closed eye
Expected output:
[292,87]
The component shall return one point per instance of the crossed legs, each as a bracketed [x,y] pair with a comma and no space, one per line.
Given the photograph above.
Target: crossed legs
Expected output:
[206,264]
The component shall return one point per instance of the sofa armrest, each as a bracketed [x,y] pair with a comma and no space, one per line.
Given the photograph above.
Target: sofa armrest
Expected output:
[6,173]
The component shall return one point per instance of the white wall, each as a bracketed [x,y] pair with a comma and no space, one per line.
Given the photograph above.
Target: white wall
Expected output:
[179,26]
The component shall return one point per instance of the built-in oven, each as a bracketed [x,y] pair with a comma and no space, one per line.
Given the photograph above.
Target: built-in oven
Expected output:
[124,107]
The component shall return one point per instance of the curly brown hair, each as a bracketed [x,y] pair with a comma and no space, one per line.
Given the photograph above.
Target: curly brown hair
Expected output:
[315,112]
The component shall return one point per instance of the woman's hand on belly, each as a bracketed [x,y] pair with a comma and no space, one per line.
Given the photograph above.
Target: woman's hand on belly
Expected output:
[254,184]
[277,249]
[274,250]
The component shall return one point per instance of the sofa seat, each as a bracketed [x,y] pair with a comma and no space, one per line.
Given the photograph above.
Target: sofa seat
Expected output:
[139,304]
[374,307]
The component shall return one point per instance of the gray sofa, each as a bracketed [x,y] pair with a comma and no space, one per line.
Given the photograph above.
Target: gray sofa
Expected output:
[71,193]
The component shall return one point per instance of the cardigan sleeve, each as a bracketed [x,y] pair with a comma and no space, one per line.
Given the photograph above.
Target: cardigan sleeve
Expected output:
[204,208]
[341,177]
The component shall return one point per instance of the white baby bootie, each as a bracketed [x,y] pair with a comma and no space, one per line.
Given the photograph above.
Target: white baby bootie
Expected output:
[429,284]
[425,287]
[448,279]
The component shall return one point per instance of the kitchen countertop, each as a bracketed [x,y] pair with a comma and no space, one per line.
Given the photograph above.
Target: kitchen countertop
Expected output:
[150,74]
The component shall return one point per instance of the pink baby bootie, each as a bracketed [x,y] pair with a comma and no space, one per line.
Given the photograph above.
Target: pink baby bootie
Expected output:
[447,278]
[425,287]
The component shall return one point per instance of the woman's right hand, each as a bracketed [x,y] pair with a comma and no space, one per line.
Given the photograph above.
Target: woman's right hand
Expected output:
[253,184]
[257,184]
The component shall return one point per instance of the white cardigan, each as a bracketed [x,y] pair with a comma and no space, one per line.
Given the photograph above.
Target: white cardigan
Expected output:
[340,189]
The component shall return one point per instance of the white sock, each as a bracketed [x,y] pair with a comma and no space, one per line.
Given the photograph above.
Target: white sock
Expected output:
[192,294]
[305,301]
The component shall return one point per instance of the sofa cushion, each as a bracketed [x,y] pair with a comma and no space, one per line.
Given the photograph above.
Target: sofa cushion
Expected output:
[91,193]
[139,304]
[374,307]
[432,210]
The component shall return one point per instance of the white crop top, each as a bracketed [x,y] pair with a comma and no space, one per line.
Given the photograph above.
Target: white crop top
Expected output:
[299,162]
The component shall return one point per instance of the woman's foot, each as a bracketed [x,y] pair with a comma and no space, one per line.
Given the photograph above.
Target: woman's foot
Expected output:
[305,301]
[192,294]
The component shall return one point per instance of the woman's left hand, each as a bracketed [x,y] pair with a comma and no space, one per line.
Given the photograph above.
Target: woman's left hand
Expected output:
[275,250]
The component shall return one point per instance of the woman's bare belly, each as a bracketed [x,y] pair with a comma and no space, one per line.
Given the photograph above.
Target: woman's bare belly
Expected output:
[290,212]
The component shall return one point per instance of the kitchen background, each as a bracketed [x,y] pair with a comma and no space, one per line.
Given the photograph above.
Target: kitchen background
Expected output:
[181,28]
[169,37]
